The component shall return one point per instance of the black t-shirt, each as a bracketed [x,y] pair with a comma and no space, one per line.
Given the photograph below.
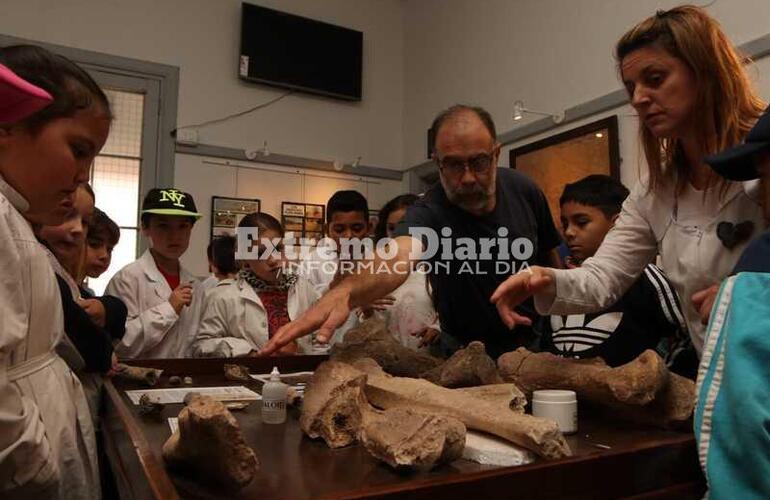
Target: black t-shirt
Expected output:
[115,313]
[92,342]
[463,281]
[648,316]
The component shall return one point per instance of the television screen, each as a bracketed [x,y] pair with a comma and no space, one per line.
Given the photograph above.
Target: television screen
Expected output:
[299,53]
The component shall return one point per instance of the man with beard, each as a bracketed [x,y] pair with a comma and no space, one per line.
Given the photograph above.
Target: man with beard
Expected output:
[490,222]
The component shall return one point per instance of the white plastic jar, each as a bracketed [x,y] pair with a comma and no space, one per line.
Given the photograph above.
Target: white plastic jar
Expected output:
[558,405]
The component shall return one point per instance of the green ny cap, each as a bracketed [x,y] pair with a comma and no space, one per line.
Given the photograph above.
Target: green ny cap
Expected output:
[170,201]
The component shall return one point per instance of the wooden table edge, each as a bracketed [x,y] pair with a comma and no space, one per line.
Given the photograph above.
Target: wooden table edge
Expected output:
[428,483]
[158,479]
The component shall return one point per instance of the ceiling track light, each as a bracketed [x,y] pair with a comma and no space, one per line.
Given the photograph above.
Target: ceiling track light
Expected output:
[519,111]
[339,166]
[252,154]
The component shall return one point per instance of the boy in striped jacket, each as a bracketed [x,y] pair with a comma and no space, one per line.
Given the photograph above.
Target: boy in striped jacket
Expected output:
[648,316]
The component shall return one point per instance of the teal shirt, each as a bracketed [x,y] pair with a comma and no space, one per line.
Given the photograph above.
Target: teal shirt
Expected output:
[732,416]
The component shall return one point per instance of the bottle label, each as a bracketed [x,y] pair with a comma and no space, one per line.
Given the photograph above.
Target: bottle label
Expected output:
[273,405]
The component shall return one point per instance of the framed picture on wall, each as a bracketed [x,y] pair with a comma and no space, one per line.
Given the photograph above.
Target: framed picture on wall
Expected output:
[314,211]
[304,219]
[226,213]
[295,224]
[564,158]
[293,209]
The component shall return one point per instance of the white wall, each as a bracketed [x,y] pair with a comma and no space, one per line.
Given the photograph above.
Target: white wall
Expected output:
[552,54]
[202,38]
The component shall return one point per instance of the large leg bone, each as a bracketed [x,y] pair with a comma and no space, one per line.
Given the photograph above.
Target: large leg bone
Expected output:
[642,391]
[507,396]
[467,367]
[402,437]
[209,442]
[637,382]
[373,340]
[334,404]
[537,434]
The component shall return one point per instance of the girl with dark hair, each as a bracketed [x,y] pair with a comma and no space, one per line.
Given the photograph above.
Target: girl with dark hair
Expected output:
[221,256]
[241,315]
[391,214]
[46,435]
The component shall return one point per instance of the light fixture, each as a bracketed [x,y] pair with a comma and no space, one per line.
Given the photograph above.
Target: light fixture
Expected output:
[519,110]
[356,162]
[252,154]
[599,135]
[338,166]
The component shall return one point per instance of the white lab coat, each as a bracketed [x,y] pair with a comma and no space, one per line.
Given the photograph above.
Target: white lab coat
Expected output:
[412,311]
[153,328]
[234,321]
[47,443]
[319,269]
[691,255]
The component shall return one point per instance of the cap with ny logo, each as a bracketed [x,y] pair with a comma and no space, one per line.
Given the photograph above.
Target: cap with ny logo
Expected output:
[170,201]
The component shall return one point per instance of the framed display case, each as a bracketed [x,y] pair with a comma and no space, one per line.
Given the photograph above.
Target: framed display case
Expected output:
[305,220]
[226,213]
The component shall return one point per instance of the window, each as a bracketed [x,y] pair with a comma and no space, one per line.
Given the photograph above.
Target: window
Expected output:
[115,177]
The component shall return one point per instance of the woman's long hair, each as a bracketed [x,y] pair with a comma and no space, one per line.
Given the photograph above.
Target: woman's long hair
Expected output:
[726,103]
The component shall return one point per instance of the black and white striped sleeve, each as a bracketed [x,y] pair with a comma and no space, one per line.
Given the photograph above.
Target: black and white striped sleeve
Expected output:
[670,310]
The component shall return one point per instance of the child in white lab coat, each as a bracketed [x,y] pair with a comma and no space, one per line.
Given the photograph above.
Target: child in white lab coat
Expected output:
[50,133]
[412,318]
[157,290]
[85,330]
[241,315]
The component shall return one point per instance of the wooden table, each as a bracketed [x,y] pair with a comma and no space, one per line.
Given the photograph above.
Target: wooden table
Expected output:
[639,464]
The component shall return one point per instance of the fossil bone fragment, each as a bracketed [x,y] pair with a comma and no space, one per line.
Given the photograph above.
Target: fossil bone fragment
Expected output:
[149,376]
[209,443]
[404,438]
[372,339]
[468,367]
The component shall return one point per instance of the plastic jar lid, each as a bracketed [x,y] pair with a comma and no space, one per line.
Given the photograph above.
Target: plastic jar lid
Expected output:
[554,396]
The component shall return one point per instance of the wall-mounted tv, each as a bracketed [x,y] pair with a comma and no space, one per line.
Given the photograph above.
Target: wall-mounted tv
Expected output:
[295,52]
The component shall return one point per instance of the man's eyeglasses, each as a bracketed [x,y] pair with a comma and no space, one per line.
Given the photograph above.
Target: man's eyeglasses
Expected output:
[456,166]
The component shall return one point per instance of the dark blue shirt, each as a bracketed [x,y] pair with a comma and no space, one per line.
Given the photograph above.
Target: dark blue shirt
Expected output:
[756,257]
[462,287]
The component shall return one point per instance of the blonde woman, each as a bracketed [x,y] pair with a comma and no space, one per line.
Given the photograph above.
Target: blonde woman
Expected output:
[693,97]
